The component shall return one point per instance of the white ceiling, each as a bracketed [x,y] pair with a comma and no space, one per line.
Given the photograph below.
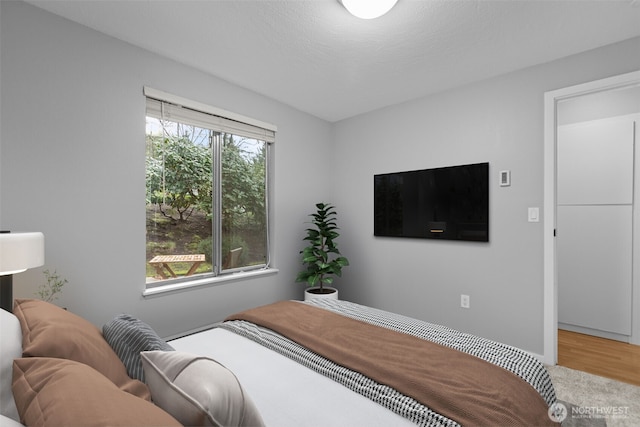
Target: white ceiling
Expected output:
[314,56]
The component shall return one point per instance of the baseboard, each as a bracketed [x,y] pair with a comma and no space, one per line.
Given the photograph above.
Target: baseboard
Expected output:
[594,332]
[191,332]
[537,356]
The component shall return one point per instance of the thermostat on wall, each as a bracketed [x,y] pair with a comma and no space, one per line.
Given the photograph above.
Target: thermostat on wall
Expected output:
[505,178]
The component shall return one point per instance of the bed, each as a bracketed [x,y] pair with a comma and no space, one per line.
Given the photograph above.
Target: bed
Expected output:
[246,371]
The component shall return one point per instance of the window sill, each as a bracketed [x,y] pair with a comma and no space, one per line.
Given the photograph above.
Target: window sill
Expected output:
[209,281]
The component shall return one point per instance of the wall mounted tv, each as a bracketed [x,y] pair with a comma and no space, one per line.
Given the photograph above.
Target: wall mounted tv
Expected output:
[450,203]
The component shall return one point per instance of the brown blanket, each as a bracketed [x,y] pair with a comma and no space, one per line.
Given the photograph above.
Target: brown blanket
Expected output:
[459,386]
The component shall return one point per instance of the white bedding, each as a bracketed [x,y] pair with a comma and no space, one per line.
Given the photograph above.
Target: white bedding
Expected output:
[285,392]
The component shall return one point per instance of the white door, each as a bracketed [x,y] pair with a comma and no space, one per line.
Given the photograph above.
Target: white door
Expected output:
[595,176]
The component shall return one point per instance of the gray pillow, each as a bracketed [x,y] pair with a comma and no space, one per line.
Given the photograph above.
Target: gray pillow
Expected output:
[198,391]
[128,337]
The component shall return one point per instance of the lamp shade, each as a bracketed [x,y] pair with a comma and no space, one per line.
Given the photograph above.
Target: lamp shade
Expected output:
[20,251]
[368,9]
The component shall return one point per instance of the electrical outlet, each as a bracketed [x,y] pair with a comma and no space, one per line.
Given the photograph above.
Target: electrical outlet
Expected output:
[465,301]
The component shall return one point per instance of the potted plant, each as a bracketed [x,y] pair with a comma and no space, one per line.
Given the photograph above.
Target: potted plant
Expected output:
[49,291]
[322,257]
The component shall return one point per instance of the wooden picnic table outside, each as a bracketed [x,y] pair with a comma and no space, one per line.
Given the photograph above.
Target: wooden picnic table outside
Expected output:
[161,263]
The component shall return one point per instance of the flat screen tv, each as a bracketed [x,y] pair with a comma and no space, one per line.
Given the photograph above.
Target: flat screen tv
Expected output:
[450,203]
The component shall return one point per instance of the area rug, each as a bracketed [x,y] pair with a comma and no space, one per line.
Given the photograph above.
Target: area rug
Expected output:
[594,401]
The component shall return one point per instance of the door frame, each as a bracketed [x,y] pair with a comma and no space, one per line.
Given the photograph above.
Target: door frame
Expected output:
[550,288]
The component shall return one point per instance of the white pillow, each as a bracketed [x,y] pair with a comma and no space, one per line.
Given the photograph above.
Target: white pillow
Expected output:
[10,348]
[197,391]
[8,422]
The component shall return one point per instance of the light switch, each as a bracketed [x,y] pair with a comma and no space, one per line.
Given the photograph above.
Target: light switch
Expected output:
[505,178]
[534,214]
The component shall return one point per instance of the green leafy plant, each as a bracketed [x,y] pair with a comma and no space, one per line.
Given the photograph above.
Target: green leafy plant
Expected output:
[322,257]
[178,175]
[49,291]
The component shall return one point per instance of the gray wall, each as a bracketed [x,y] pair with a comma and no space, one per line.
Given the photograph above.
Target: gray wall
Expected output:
[499,121]
[72,166]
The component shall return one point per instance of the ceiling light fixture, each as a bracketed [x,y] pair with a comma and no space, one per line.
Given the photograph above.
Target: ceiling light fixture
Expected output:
[368,9]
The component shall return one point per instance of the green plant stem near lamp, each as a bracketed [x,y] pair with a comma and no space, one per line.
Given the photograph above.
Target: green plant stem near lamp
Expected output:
[322,257]
[49,291]
[18,252]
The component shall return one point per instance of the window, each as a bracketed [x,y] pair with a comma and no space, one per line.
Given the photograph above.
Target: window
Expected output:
[206,191]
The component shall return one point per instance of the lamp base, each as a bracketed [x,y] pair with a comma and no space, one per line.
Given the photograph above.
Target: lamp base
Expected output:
[6,292]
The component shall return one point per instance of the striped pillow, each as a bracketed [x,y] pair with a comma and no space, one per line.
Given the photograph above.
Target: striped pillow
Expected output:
[129,336]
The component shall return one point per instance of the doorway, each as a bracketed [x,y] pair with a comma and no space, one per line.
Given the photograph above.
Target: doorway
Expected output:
[595,162]
[552,101]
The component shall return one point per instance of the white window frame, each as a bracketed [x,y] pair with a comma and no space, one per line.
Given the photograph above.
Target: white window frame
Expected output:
[179,109]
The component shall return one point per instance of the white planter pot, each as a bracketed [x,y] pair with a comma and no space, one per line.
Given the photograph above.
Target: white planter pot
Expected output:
[309,293]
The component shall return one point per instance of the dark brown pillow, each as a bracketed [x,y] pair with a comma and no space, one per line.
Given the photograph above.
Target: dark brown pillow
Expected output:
[50,331]
[58,392]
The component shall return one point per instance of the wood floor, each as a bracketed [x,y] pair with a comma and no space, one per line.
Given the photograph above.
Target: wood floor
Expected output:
[599,356]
